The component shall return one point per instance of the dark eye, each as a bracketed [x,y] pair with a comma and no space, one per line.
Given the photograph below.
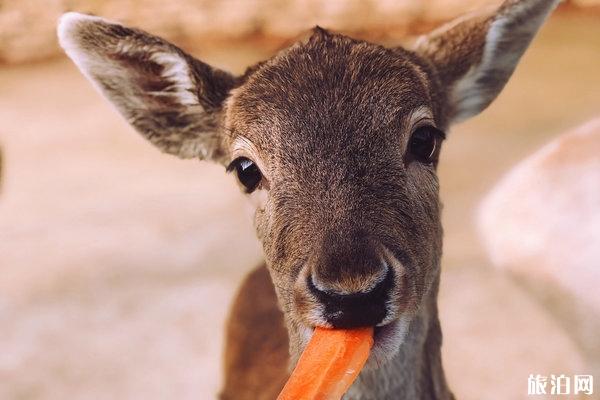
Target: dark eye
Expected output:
[247,173]
[424,145]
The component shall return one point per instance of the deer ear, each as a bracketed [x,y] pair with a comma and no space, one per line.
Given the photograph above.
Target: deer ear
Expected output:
[172,99]
[474,56]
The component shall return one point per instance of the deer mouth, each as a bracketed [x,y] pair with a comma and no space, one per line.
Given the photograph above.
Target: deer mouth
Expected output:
[387,341]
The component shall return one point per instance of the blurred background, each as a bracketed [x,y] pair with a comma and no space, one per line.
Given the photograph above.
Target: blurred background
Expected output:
[118,264]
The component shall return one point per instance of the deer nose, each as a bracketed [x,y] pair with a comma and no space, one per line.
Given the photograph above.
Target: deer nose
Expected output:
[356,309]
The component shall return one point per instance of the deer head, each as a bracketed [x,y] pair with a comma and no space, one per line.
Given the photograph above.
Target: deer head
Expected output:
[337,140]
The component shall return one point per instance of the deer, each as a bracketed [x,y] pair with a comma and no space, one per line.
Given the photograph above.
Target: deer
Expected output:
[336,142]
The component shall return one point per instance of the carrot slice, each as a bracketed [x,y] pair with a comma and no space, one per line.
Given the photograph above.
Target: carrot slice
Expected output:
[329,364]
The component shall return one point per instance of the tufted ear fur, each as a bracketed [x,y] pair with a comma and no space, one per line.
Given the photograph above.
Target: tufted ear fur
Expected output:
[172,99]
[474,56]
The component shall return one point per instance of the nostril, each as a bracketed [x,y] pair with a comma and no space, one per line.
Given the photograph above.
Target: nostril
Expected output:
[350,310]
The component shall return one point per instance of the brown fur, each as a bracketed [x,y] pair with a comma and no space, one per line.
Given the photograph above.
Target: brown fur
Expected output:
[256,356]
[349,218]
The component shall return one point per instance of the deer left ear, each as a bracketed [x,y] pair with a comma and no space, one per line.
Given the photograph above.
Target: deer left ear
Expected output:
[474,56]
[174,100]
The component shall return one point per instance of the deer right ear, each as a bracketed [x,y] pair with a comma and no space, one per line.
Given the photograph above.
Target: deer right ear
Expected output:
[172,99]
[474,56]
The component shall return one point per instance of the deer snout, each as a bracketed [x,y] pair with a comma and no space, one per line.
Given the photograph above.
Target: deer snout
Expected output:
[343,309]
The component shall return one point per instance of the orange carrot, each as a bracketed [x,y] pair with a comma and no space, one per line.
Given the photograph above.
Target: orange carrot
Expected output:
[329,364]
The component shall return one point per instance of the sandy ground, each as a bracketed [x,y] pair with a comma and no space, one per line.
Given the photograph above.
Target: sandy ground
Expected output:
[118,264]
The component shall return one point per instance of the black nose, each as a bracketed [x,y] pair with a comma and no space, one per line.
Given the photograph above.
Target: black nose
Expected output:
[355,310]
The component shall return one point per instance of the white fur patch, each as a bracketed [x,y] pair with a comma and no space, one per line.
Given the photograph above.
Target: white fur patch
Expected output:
[387,342]
[418,115]
[176,71]
[399,271]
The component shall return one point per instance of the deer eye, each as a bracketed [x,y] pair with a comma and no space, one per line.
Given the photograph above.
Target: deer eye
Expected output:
[424,144]
[247,173]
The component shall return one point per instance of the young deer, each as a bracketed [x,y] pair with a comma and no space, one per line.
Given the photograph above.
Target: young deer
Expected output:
[338,142]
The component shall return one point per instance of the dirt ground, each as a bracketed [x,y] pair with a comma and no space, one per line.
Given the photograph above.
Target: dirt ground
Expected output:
[118,264]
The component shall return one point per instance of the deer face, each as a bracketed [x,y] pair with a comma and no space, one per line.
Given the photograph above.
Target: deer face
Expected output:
[335,140]
[338,141]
